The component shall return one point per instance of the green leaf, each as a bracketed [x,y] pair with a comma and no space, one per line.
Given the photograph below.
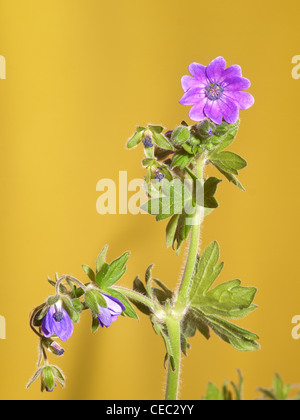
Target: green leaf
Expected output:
[90,273]
[135,139]
[239,338]
[229,300]
[280,390]
[207,271]
[228,161]
[238,389]
[114,272]
[180,135]
[101,274]
[213,393]
[210,188]
[140,288]
[161,141]
[231,178]
[171,230]
[181,159]
[101,258]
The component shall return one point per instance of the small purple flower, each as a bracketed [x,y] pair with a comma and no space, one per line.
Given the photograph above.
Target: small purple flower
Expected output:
[57,321]
[216,92]
[148,142]
[110,314]
[159,176]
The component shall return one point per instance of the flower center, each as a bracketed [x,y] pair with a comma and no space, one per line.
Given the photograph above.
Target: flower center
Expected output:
[214,91]
[58,316]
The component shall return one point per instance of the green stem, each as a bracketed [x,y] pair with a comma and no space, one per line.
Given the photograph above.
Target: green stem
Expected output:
[174,319]
[173,326]
[131,294]
[193,247]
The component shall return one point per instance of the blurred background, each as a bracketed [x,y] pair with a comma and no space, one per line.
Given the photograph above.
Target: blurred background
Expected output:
[80,76]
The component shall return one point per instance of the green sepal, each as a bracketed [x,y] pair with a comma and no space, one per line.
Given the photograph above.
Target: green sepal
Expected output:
[53,299]
[34,378]
[57,373]
[161,141]
[72,312]
[48,378]
[94,300]
[136,138]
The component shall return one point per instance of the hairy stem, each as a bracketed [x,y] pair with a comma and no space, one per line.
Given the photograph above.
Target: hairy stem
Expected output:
[173,323]
[193,247]
[131,294]
[173,326]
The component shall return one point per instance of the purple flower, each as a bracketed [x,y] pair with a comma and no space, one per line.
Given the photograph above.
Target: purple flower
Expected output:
[159,176]
[110,314]
[148,142]
[216,92]
[57,321]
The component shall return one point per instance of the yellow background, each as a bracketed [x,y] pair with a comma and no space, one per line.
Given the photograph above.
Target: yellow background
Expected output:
[80,76]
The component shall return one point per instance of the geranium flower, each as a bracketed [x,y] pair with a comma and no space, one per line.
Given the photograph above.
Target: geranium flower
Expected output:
[216,92]
[57,321]
[110,314]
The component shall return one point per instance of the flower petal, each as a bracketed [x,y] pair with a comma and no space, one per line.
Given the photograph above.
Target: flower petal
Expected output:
[196,112]
[113,304]
[236,83]
[192,96]
[215,69]
[244,100]
[213,111]
[188,82]
[64,328]
[229,110]
[198,71]
[232,71]
[47,324]
[104,317]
